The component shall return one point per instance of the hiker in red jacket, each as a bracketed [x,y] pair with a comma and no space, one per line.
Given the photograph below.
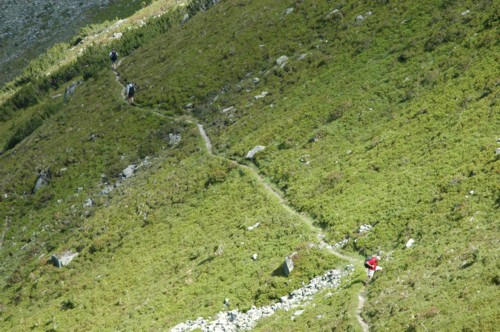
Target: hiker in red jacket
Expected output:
[372,266]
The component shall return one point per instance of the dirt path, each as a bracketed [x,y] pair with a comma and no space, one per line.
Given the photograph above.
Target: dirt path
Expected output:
[274,192]
[4,231]
[359,309]
[307,219]
[203,134]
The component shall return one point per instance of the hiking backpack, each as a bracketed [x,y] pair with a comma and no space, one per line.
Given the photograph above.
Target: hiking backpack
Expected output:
[131,90]
[366,262]
[114,56]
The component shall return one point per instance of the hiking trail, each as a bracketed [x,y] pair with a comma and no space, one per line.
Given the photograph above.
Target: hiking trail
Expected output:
[253,170]
[307,219]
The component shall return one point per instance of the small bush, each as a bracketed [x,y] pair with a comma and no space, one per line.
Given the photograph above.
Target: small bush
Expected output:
[26,97]
[68,305]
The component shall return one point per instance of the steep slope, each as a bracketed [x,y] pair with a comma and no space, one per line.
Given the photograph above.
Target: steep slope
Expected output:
[384,114]
[376,113]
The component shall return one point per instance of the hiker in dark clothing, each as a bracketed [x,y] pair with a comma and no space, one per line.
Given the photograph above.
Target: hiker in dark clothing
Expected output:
[130,93]
[113,56]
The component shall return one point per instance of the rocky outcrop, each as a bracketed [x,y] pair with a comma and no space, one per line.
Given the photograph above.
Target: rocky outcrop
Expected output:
[236,320]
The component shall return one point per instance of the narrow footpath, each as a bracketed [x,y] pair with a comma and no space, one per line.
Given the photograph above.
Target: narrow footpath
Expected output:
[307,219]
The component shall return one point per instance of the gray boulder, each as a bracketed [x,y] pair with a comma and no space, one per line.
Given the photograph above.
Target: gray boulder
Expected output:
[251,153]
[63,259]
[128,172]
[88,203]
[288,264]
[43,180]
[174,139]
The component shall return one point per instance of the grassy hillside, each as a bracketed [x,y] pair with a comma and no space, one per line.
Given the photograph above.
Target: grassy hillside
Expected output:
[382,113]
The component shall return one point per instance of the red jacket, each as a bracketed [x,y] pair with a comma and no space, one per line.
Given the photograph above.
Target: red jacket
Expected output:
[373,263]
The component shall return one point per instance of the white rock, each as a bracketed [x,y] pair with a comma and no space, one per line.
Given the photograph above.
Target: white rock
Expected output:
[465,13]
[254,257]
[251,153]
[128,172]
[364,228]
[334,13]
[288,11]
[298,312]
[262,95]
[410,243]
[282,60]
[251,228]
[88,203]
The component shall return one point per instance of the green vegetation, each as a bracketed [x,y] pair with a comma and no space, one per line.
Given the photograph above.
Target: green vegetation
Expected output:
[389,120]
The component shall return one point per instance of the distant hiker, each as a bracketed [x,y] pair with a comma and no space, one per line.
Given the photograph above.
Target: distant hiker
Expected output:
[371,265]
[130,93]
[113,56]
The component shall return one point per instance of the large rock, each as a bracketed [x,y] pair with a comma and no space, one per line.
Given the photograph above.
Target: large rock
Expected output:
[410,243]
[288,264]
[251,153]
[128,172]
[43,180]
[70,90]
[63,259]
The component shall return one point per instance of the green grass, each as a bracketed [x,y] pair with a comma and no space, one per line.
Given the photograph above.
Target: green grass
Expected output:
[390,121]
